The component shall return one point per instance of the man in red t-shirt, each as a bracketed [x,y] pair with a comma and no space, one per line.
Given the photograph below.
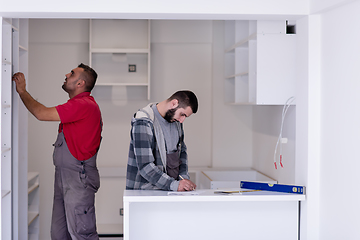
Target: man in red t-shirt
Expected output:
[76,147]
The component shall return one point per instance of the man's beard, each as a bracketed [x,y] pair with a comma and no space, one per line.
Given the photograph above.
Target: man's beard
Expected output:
[169,115]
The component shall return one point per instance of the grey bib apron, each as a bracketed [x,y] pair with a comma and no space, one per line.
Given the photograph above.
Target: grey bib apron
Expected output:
[76,183]
[173,164]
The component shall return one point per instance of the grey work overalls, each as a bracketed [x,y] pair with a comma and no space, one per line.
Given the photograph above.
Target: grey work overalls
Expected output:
[76,183]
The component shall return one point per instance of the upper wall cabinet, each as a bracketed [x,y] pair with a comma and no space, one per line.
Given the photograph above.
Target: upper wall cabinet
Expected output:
[259,62]
[120,53]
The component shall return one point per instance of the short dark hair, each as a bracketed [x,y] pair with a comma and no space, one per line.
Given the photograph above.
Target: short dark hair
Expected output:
[186,99]
[89,76]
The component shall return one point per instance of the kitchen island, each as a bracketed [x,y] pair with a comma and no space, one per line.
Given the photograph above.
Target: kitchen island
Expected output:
[204,214]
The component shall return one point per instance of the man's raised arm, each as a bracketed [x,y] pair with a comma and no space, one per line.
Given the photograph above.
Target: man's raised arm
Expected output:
[37,109]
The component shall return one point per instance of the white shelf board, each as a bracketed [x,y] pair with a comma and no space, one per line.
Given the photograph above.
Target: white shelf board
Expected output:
[5,149]
[4,193]
[33,187]
[7,20]
[23,48]
[6,62]
[6,106]
[237,75]
[15,28]
[32,216]
[242,42]
[119,50]
[121,84]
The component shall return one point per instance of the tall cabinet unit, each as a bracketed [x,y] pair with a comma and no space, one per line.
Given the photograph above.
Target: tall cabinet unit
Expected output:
[14,182]
[5,120]
[259,62]
[119,51]
[19,132]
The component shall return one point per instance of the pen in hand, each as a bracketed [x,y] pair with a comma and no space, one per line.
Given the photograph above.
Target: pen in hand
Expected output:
[182,178]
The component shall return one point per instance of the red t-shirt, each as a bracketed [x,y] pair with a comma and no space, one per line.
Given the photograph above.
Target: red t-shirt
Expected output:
[81,123]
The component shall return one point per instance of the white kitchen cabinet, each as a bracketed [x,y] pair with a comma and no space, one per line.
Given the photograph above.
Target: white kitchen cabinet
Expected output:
[120,54]
[13,119]
[6,123]
[259,62]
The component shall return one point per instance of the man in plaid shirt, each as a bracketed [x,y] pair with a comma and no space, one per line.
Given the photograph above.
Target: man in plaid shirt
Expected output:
[157,152]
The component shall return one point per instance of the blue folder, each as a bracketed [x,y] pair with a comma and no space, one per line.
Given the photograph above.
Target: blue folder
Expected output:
[272,187]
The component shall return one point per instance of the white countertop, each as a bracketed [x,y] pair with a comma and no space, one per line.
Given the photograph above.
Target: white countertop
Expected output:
[208,195]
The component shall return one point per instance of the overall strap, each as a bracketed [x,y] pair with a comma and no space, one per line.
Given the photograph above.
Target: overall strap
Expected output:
[181,136]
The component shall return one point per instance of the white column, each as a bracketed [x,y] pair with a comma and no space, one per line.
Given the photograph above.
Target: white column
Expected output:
[307,168]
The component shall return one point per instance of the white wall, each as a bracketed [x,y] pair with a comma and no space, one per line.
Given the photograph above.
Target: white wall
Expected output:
[231,125]
[266,129]
[181,59]
[326,138]
[307,124]
[340,134]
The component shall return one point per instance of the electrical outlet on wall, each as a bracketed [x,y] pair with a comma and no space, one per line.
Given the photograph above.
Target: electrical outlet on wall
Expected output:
[121,211]
[132,68]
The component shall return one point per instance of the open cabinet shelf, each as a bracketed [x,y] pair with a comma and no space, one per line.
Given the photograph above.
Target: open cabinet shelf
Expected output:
[116,48]
[33,205]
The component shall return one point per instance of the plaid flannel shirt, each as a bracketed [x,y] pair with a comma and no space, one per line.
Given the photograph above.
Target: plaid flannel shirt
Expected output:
[145,169]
